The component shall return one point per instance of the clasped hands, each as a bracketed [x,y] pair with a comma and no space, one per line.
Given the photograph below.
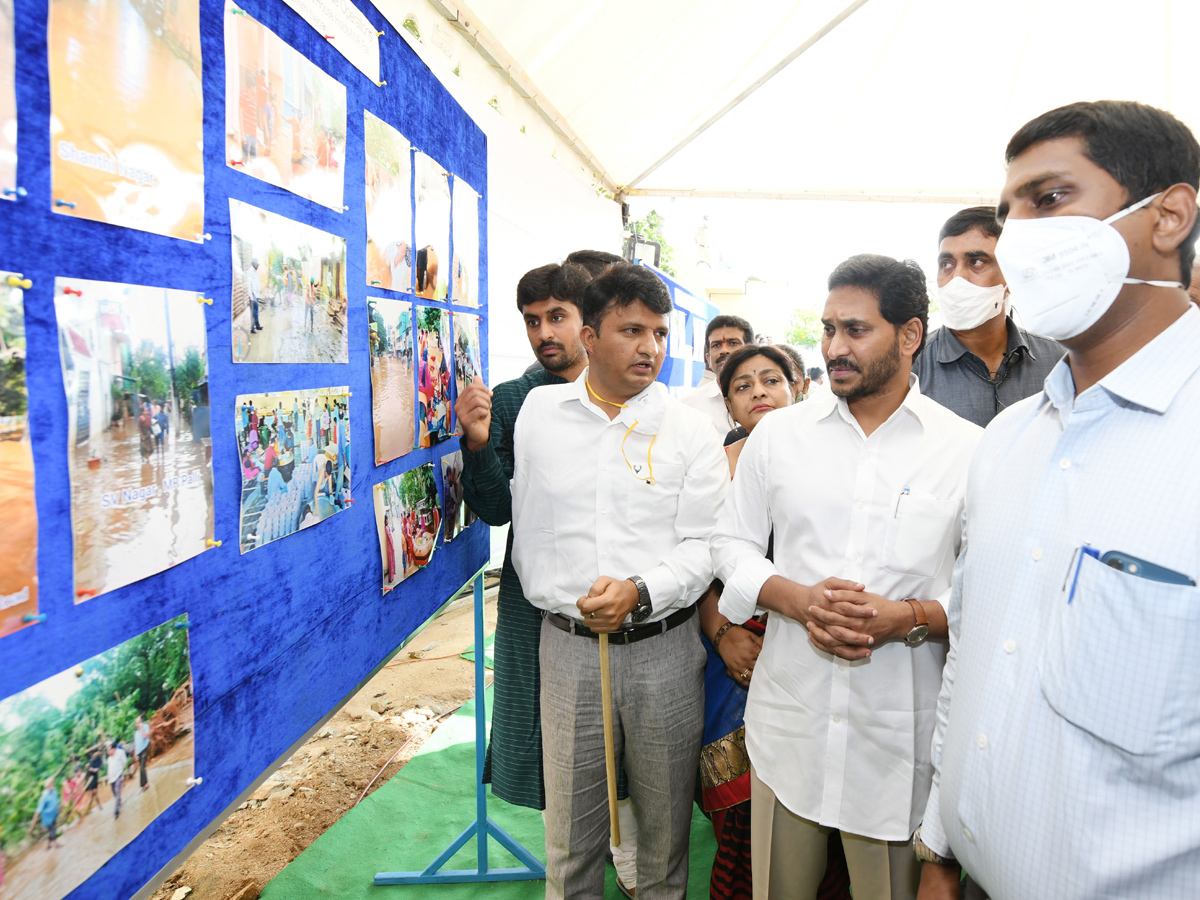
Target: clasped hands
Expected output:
[846,620]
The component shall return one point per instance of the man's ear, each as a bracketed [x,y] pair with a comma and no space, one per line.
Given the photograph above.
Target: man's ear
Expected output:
[1176,216]
[910,336]
[588,336]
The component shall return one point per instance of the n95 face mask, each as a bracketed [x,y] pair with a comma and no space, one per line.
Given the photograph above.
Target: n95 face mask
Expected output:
[1064,272]
[965,305]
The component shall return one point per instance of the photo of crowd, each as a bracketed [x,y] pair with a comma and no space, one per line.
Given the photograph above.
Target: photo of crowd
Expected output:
[407,516]
[289,290]
[285,119]
[91,756]
[135,369]
[389,206]
[432,228]
[141,167]
[295,459]
[465,270]
[468,364]
[8,102]
[393,410]
[456,514]
[18,526]
[433,375]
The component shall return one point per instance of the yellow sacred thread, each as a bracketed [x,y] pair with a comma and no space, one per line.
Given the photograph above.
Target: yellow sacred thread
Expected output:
[649,450]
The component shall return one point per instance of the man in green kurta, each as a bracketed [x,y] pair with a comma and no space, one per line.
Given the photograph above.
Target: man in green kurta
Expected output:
[547,298]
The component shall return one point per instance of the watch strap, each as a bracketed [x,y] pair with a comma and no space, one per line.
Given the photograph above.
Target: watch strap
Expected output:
[918,611]
[923,853]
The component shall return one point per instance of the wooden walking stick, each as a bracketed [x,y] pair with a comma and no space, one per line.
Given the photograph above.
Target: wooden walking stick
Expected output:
[610,762]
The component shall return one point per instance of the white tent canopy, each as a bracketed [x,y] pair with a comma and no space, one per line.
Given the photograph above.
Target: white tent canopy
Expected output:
[886,99]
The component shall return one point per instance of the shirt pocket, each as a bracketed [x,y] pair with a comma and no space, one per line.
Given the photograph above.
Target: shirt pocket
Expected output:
[651,504]
[1119,659]
[919,533]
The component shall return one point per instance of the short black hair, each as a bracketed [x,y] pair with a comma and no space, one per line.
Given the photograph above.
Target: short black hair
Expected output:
[729,322]
[899,286]
[795,356]
[566,282]
[595,261]
[620,286]
[981,217]
[773,352]
[1145,149]
[815,372]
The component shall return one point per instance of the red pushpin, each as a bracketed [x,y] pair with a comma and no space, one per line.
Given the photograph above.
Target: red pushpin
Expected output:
[87,593]
[329,37]
[71,290]
[236,162]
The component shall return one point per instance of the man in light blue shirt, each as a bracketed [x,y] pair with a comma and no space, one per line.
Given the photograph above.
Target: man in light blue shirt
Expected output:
[141,749]
[1067,747]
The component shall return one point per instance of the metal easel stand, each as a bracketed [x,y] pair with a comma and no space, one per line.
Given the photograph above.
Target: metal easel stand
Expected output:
[483,826]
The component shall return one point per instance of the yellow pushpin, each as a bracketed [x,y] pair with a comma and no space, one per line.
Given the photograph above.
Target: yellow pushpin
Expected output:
[381,83]
[206,300]
[211,543]
[18,281]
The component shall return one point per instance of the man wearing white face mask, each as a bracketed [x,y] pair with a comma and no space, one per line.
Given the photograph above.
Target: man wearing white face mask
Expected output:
[1067,747]
[979,362]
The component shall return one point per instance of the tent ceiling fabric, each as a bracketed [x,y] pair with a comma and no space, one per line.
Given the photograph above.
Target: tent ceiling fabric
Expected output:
[912,98]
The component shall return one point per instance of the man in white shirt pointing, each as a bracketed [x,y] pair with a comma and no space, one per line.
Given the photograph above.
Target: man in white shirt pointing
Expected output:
[616,489]
[841,705]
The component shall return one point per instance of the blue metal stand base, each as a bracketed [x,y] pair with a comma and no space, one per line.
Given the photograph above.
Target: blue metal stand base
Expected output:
[483,826]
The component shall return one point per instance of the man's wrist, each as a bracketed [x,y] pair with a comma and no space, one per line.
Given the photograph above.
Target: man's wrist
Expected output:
[473,446]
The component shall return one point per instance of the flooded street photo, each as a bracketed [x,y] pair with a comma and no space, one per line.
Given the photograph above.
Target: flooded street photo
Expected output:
[393,389]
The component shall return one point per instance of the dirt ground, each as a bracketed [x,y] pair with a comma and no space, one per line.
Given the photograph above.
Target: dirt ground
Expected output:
[404,702]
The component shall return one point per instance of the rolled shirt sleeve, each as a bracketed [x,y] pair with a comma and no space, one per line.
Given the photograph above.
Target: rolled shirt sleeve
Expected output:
[739,542]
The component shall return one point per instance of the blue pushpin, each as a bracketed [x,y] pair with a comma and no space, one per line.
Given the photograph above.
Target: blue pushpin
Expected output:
[18,192]
[34,617]
[58,201]
[183,625]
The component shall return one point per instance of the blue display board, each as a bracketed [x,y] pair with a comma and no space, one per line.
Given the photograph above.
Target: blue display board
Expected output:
[684,365]
[280,635]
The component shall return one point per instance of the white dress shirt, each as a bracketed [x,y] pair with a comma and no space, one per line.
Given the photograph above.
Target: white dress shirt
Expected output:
[707,398]
[846,744]
[580,506]
[1070,765]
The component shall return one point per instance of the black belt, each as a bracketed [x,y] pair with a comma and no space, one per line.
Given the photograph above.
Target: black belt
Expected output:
[624,635]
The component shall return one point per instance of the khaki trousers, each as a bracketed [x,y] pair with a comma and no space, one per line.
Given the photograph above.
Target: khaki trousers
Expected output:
[789,856]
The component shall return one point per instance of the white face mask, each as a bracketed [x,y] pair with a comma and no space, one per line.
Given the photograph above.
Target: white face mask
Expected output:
[1065,271]
[966,305]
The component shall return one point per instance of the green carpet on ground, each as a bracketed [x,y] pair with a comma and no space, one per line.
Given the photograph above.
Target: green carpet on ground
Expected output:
[412,818]
[489,653]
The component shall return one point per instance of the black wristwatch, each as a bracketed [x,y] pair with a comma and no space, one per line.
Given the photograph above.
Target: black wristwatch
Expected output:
[642,611]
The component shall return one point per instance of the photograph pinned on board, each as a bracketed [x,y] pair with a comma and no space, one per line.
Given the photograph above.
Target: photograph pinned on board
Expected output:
[139,452]
[408,517]
[467,362]
[456,514]
[143,167]
[433,375]
[285,119]
[699,341]
[8,104]
[465,269]
[393,389]
[18,525]
[294,448]
[432,227]
[90,757]
[389,206]
[289,290]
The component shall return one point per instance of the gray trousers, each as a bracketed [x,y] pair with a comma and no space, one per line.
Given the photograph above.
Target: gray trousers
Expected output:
[658,723]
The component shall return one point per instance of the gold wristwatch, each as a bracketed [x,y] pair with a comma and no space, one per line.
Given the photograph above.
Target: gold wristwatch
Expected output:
[924,854]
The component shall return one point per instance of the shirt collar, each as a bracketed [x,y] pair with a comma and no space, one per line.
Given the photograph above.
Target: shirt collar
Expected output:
[913,404]
[642,413]
[1151,378]
[951,349]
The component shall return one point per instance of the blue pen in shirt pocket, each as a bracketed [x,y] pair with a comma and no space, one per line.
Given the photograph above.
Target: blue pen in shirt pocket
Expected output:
[1130,565]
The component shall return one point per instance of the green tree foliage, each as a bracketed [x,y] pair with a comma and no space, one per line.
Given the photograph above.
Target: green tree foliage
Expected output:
[650,228]
[188,372]
[150,370]
[39,741]
[430,318]
[805,329]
